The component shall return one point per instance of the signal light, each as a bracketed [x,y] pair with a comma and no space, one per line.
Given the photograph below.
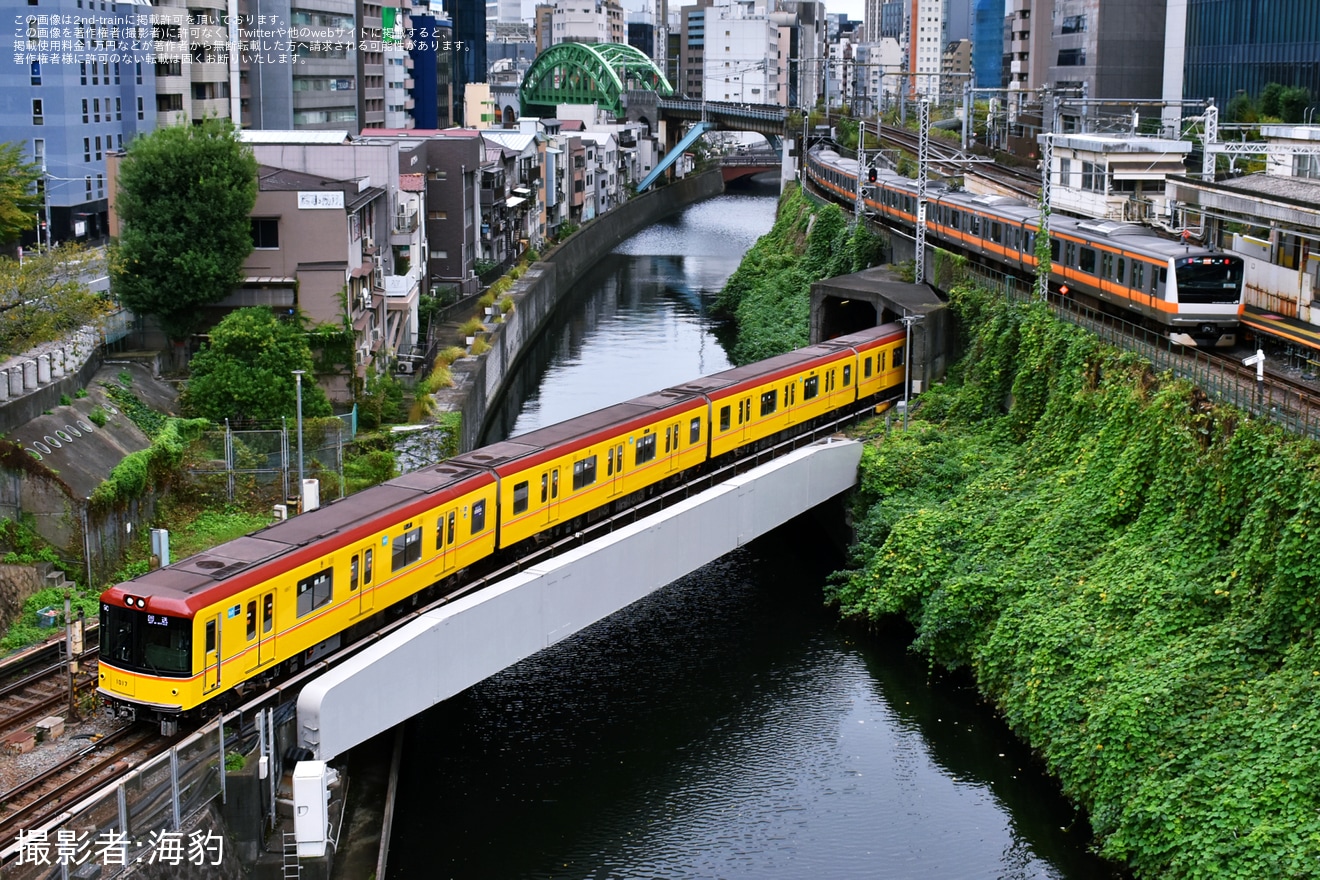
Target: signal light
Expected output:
[870,175]
[1063,290]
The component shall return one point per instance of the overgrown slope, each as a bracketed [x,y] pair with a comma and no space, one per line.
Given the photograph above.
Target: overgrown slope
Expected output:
[1130,573]
[767,300]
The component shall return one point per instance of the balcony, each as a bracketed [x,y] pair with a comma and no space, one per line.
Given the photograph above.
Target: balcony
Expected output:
[405,221]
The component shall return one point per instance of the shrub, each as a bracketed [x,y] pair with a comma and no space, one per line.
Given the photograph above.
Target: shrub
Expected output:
[471,327]
[480,346]
[449,354]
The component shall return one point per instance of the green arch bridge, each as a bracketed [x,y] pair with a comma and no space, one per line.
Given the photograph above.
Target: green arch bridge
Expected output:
[588,73]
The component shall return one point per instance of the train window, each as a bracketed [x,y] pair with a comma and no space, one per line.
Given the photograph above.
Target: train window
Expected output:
[769,403]
[267,612]
[520,497]
[694,431]
[898,356]
[1086,260]
[545,488]
[1121,274]
[1106,265]
[880,362]
[974,224]
[584,473]
[866,368]
[439,535]
[1028,242]
[668,438]
[724,418]
[955,219]
[810,387]
[554,483]
[1138,275]
[478,516]
[645,449]
[450,525]
[366,567]
[1163,277]
[353,573]
[1069,254]
[996,231]
[251,619]
[314,591]
[847,375]
[609,463]
[407,549]
[1054,250]
[210,636]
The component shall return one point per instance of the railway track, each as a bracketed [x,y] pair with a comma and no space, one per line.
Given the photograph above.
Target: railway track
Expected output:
[29,803]
[953,161]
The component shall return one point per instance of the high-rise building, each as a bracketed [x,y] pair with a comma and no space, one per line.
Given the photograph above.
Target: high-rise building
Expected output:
[1226,47]
[68,108]
[926,46]
[988,43]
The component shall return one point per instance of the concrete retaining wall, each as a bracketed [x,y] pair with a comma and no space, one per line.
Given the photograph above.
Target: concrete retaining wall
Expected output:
[480,382]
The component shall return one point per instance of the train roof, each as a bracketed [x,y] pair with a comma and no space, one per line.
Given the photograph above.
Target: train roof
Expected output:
[212,574]
[528,449]
[762,371]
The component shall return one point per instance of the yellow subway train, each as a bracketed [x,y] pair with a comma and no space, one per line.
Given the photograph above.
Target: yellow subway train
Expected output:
[202,631]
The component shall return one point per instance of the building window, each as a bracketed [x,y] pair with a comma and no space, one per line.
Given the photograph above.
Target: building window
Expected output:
[38,115]
[96,109]
[98,149]
[86,115]
[88,182]
[39,152]
[87,149]
[36,73]
[140,105]
[1072,57]
[265,233]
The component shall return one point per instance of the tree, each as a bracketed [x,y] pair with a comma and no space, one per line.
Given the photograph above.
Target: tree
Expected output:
[1269,99]
[185,199]
[44,298]
[1293,102]
[19,200]
[246,372]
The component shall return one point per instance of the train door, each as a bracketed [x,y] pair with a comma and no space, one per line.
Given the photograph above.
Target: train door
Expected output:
[614,469]
[550,494]
[790,399]
[266,628]
[211,653]
[359,580]
[445,536]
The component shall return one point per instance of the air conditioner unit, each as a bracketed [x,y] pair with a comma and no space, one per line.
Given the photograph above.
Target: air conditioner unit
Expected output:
[369,245]
[378,277]
[363,356]
[375,336]
[406,367]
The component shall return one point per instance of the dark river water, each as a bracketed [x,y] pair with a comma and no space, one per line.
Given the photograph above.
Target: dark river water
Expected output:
[727,726]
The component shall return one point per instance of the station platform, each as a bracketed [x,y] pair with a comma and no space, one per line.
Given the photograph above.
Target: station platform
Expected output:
[1299,340]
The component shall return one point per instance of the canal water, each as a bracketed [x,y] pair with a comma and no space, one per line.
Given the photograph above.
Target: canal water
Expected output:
[726,726]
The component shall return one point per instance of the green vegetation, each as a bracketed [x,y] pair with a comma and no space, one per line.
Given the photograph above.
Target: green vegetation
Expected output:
[185,200]
[214,527]
[1275,103]
[768,298]
[19,197]
[147,467]
[246,372]
[27,629]
[43,299]
[1128,570]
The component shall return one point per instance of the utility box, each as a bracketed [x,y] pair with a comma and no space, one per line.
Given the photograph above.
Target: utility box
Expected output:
[311,495]
[311,808]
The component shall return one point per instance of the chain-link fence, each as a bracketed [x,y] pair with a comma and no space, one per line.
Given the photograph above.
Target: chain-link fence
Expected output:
[266,463]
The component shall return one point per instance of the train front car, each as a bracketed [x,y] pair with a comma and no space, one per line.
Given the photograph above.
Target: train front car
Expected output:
[150,649]
[1208,293]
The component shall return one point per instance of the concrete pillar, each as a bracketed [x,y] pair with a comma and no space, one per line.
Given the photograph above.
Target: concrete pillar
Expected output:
[15,381]
[43,369]
[57,363]
[4,389]
[29,375]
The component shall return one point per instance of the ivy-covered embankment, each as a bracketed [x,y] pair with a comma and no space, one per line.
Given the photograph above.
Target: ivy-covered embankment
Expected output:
[767,299]
[1130,573]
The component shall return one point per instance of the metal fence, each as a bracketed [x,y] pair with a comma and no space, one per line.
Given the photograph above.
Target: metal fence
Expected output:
[140,819]
[1284,407]
[264,462]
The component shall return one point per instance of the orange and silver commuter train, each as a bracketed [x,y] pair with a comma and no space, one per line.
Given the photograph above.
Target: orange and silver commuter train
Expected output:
[193,635]
[1191,294]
